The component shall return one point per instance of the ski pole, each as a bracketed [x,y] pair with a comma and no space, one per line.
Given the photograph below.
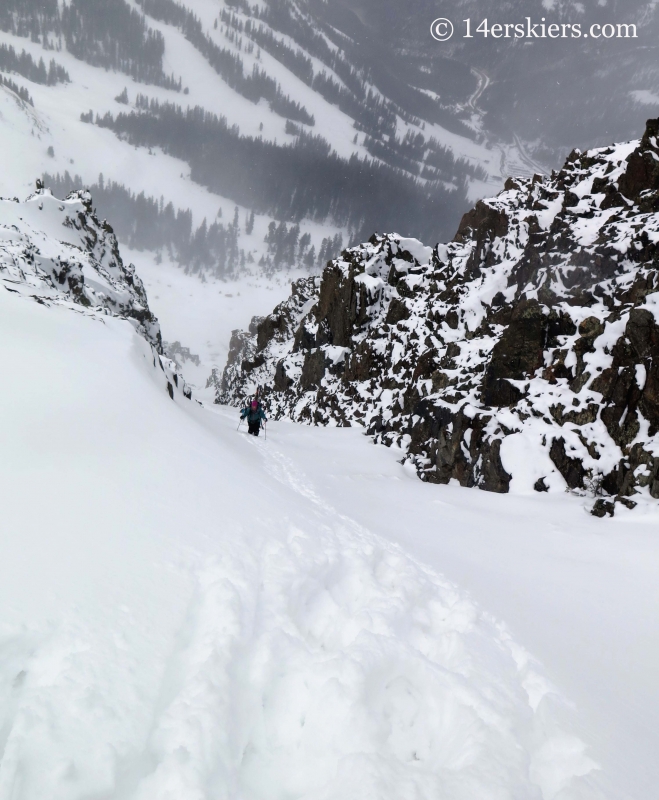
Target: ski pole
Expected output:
[265,431]
[239,424]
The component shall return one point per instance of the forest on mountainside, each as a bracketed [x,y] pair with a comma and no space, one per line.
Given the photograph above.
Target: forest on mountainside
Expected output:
[291,181]
[105,33]
[149,223]
[253,85]
[409,181]
[36,71]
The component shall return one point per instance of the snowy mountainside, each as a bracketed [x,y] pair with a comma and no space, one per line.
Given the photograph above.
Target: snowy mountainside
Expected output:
[163,635]
[409,124]
[219,70]
[539,96]
[57,252]
[521,356]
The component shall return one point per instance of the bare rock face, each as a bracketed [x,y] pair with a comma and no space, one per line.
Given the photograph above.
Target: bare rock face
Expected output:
[523,355]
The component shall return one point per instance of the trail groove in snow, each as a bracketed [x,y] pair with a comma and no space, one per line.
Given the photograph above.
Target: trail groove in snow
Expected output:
[186,616]
[403,669]
[326,664]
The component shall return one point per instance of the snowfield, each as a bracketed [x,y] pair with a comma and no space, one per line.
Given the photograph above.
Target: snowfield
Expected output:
[202,315]
[192,613]
[183,617]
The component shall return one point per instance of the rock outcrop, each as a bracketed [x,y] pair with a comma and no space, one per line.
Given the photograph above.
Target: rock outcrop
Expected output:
[522,355]
[58,252]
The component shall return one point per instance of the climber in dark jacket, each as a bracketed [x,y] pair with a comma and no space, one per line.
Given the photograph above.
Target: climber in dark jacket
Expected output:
[253,413]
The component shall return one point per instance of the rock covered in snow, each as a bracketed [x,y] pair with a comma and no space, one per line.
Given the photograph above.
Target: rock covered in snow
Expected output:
[59,252]
[523,355]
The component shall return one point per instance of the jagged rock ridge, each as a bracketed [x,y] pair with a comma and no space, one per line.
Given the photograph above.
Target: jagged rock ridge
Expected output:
[57,252]
[524,354]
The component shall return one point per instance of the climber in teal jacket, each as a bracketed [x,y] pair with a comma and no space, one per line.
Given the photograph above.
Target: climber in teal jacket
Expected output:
[253,413]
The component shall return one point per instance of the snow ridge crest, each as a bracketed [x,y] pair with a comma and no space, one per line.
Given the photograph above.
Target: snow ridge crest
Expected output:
[58,251]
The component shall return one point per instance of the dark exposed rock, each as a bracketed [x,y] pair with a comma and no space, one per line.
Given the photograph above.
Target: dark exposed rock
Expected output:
[642,173]
[180,354]
[517,355]
[498,392]
[570,468]
[540,320]
[282,381]
[313,370]
[398,311]
[602,508]
[337,306]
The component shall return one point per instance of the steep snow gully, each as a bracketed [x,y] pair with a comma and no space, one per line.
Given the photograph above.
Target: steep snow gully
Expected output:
[187,613]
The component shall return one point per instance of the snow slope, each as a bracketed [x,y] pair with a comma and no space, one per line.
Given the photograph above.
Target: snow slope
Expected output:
[188,614]
[581,594]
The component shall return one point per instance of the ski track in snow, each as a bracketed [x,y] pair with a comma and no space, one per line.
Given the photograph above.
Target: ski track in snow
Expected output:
[362,595]
[197,622]
[321,663]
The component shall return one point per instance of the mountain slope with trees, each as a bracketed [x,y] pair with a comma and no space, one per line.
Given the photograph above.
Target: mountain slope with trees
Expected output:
[329,109]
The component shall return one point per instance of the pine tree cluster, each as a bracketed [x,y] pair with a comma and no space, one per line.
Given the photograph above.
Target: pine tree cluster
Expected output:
[293,181]
[105,33]
[35,71]
[286,246]
[18,90]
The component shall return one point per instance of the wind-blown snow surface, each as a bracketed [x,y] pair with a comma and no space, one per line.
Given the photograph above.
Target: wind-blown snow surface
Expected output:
[187,613]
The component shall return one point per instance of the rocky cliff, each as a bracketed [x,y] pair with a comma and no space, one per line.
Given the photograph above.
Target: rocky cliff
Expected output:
[522,355]
[58,252]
